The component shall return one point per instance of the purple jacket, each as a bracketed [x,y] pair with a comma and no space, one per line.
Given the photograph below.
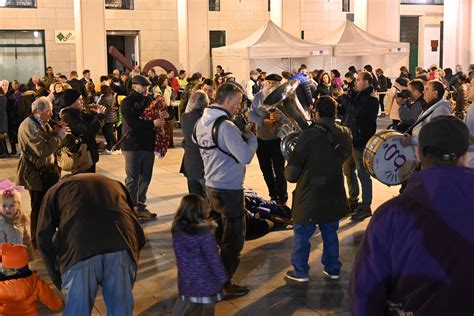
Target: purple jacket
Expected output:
[200,269]
[417,255]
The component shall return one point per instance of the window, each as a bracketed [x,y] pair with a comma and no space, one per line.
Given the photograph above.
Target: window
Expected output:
[17,3]
[214,5]
[346,5]
[118,4]
[216,39]
[436,2]
[22,54]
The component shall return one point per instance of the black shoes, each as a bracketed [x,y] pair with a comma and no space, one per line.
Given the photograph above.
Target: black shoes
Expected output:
[234,290]
[360,214]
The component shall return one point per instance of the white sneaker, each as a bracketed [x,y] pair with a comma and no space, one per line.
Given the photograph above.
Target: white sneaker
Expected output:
[107,152]
[331,276]
[116,152]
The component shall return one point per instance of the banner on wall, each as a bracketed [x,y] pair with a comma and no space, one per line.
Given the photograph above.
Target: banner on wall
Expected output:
[65,36]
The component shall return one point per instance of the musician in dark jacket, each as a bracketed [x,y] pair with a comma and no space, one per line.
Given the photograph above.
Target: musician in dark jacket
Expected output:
[138,144]
[362,121]
[88,235]
[320,197]
[83,124]
[192,166]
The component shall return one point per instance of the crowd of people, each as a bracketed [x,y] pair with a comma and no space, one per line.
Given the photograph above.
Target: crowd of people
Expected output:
[56,119]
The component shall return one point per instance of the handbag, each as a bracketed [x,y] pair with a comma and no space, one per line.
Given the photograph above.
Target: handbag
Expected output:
[76,159]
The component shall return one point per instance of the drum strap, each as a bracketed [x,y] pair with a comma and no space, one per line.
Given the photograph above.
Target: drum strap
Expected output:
[419,121]
[337,147]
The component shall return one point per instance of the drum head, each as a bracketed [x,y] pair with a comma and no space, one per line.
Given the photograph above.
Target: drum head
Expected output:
[393,163]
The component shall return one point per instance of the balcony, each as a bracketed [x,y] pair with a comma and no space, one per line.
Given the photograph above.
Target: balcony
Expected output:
[17,3]
[118,4]
[423,2]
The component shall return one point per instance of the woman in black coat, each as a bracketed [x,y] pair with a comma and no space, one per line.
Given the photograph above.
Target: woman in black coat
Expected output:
[107,99]
[192,166]
[83,124]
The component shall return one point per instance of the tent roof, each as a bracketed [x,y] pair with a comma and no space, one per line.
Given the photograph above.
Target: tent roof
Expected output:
[351,40]
[270,41]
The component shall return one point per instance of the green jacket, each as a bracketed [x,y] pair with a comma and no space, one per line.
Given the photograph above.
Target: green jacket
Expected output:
[316,167]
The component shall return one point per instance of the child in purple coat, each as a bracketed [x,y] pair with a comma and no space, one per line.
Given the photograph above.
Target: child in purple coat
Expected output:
[201,274]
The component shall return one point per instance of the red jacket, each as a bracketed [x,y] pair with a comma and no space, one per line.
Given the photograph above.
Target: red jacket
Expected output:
[19,296]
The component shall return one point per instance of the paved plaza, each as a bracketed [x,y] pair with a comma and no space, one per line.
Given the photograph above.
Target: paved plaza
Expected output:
[264,261]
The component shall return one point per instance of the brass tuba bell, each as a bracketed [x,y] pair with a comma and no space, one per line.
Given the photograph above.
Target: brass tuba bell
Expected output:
[284,99]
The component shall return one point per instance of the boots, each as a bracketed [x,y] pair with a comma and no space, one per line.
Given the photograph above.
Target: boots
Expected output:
[3,147]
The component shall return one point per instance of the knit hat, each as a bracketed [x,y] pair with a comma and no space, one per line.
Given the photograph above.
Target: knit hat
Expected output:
[70,96]
[445,136]
[8,188]
[14,256]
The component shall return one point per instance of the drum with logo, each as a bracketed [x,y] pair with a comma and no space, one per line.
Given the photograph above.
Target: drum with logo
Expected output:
[387,160]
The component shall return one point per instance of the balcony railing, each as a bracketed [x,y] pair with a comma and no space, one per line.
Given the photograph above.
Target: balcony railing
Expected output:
[17,3]
[423,2]
[118,4]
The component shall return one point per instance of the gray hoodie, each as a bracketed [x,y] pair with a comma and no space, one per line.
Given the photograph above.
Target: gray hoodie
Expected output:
[220,170]
[442,107]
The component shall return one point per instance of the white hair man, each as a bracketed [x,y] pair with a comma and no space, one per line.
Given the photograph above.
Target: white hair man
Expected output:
[38,141]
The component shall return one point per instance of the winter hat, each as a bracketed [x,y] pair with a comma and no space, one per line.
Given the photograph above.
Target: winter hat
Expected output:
[141,80]
[70,96]
[445,136]
[14,256]
[274,77]
[8,188]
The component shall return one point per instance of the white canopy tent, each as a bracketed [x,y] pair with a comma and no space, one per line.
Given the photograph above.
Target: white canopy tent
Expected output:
[269,48]
[352,45]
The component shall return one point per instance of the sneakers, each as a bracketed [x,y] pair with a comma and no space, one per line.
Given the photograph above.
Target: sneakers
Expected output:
[332,276]
[360,214]
[234,290]
[106,152]
[145,215]
[292,276]
[116,152]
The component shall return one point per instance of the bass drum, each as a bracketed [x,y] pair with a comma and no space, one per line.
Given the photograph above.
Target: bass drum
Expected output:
[387,160]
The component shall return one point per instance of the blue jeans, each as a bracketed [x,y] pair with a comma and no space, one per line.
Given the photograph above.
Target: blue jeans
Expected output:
[114,271]
[302,247]
[364,177]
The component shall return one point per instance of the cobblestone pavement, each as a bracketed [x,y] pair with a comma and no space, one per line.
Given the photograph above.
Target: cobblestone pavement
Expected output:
[264,261]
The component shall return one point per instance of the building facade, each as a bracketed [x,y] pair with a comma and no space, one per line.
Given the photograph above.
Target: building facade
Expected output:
[77,34]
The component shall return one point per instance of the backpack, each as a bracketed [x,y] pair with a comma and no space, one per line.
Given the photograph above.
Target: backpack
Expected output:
[389,83]
[215,129]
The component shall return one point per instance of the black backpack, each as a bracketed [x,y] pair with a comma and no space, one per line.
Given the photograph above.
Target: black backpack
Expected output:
[215,129]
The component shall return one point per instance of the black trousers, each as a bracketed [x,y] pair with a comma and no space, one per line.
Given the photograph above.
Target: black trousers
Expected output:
[36,198]
[381,99]
[109,133]
[272,164]
[197,187]
[230,235]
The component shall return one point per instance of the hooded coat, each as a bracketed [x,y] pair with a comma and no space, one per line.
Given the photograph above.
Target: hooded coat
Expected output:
[417,253]
[316,167]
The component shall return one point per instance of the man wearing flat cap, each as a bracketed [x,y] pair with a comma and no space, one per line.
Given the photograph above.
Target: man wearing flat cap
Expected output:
[417,254]
[138,145]
[269,155]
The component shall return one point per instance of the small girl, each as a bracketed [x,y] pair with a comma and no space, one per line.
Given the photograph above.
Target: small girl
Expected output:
[201,274]
[20,288]
[12,221]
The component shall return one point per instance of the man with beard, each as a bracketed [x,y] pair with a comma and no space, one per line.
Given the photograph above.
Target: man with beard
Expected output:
[269,155]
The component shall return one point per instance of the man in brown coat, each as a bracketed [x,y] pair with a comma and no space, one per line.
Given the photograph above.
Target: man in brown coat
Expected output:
[319,198]
[38,142]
